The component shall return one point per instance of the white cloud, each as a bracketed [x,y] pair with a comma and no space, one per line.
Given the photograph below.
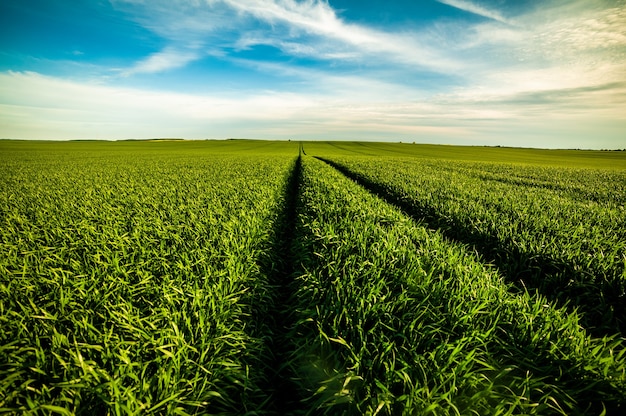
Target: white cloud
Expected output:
[37,106]
[554,35]
[306,28]
[315,17]
[596,34]
[554,48]
[167,59]
[32,103]
[477,9]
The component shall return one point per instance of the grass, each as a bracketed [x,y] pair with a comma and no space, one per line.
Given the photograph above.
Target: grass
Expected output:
[131,284]
[394,319]
[557,231]
[236,277]
[615,160]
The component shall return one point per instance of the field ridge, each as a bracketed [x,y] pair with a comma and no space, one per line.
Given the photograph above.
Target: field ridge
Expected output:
[412,323]
[598,303]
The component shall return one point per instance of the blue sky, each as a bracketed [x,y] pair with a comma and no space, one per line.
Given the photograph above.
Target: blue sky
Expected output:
[530,73]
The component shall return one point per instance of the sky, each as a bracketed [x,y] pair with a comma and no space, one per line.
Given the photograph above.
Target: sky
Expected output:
[524,73]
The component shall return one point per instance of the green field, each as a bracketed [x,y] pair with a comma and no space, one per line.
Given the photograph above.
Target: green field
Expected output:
[270,278]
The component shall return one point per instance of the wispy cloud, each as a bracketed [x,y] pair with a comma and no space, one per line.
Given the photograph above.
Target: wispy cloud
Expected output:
[559,47]
[308,28]
[477,9]
[338,39]
[167,59]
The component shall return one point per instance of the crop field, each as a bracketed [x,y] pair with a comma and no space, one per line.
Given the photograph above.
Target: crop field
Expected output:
[248,277]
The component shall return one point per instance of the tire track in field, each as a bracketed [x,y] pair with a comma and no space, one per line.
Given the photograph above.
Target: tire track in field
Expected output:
[284,396]
[601,313]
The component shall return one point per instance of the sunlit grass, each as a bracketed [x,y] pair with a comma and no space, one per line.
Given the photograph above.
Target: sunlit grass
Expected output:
[129,283]
[556,230]
[398,320]
[181,277]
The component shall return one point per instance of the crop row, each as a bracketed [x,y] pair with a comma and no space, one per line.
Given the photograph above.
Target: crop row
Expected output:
[156,283]
[393,318]
[558,231]
[136,284]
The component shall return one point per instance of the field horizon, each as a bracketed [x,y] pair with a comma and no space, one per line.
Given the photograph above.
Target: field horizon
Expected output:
[589,158]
